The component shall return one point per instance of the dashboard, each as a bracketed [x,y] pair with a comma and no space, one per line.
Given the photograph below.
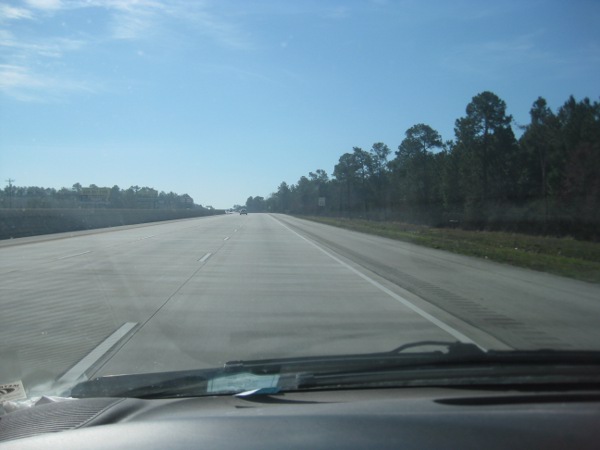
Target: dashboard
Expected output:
[349,419]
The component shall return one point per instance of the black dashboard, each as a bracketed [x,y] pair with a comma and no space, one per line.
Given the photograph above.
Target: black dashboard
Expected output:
[363,418]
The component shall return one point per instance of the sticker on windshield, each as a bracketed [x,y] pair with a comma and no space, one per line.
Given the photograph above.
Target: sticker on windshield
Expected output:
[241,382]
[12,391]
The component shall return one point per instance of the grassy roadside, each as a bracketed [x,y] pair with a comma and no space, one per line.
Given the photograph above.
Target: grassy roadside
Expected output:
[560,256]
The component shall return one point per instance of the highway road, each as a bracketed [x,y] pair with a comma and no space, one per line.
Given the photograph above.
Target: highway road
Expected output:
[199,292]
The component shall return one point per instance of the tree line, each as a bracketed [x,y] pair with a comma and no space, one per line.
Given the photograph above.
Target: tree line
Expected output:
[547,181]
[135,197]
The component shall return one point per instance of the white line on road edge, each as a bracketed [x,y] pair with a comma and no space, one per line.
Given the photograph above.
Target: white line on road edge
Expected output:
[205,257]
[73,256]
[79,369]
[226,238]
[447,328]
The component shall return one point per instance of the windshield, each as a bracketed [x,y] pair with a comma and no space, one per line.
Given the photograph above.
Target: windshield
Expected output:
[189,183]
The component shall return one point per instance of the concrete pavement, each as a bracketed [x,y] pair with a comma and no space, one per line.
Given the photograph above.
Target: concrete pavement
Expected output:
[196,293]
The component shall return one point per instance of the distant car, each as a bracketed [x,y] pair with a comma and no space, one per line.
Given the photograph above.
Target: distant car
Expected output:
[243,211]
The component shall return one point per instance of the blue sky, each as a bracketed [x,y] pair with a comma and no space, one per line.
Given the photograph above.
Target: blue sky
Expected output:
[225,99]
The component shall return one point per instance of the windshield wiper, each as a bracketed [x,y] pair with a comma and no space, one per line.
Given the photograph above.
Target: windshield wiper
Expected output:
[459,363]
[454,351]
[196,382]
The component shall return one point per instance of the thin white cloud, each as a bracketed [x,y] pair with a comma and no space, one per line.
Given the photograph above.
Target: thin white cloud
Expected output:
[8,12]
[15,76]
[131,26]
[196,15]
[223,32]
[338,12]
[45,4]
[143,19]
[22,84]
[25,59]
[50,48]
[237,72]
[493,58]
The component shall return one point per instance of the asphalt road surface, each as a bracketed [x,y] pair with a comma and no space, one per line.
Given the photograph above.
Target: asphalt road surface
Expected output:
[199,292]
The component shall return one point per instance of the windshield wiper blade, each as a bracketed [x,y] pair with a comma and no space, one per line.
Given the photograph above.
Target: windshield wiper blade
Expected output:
[457,363]
[462,364]
[462,348]
[141,385]
[454,351]
[195,382]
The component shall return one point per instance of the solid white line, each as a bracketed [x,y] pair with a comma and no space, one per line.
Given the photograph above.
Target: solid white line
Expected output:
[72,256]
[205,257]
[79,369]
[447,328]
[147,237]
[226,238]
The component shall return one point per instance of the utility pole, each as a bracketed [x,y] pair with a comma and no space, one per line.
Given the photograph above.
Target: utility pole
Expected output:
[10,182]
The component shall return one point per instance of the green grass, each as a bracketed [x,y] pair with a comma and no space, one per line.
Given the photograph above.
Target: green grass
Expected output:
[561,256]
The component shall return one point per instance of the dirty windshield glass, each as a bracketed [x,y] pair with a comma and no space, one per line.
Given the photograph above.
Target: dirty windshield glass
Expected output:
[187,183]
